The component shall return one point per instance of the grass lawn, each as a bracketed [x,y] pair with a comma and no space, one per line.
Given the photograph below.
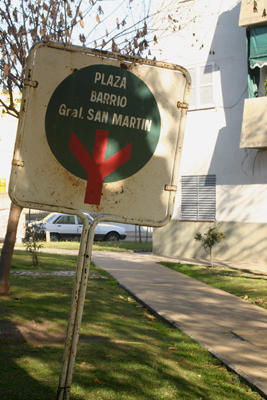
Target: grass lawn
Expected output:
[248,285]
[98,246]
[124,352]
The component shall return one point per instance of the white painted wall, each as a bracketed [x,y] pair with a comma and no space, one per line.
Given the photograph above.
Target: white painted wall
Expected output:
[8,130]
[209,32]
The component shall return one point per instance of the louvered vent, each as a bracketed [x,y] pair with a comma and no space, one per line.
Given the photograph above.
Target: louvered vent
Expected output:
[199,197]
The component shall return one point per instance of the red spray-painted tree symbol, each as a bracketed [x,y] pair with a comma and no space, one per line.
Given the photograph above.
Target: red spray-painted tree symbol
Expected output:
[96,167]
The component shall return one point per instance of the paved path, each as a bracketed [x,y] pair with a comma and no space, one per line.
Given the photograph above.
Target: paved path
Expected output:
[232,329]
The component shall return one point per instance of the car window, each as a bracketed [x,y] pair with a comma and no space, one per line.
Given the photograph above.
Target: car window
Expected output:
[90,219]
[80,222]
[65,219]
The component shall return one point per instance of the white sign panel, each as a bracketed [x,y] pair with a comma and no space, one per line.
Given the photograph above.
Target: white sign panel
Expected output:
[99,132]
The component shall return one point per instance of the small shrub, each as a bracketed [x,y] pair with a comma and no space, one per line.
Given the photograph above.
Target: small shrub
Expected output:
[32,235]
[209,239]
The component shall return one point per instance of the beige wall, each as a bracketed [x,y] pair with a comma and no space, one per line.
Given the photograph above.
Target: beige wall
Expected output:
[244,242]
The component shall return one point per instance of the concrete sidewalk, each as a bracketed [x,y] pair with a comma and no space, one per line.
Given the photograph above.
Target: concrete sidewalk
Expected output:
[232,329]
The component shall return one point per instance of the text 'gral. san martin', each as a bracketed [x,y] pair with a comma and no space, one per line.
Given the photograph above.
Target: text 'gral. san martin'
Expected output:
[109,99]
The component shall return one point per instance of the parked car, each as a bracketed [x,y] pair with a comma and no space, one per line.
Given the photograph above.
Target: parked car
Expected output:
[67,226]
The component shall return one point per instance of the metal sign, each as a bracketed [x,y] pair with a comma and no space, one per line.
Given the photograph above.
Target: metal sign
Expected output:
[99,132]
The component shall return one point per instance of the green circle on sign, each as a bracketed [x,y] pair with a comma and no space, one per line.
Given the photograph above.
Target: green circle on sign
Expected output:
[108,98]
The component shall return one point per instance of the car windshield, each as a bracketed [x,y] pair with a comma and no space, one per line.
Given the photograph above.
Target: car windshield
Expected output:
[48,218]
[45,219]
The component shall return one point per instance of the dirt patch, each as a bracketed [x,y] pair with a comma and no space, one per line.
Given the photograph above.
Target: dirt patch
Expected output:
[36,333]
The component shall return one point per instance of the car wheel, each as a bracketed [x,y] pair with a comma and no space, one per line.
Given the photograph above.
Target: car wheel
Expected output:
[54,237]
[112,237]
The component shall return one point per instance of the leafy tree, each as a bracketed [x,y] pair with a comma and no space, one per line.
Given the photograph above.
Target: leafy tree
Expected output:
[26,22]
[209,239]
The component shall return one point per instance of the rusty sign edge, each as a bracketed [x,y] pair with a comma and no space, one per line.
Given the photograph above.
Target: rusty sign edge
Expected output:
[17,162]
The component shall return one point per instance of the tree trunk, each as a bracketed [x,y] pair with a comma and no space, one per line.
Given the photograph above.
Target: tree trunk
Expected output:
[35,261]
[8,247]
[211,261]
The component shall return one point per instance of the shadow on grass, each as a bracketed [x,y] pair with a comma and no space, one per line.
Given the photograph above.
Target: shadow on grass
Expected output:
[216,270]
[123,352]
[15,382]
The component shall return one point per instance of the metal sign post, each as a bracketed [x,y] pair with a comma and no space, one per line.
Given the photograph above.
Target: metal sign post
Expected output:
[77,303]
[103,133]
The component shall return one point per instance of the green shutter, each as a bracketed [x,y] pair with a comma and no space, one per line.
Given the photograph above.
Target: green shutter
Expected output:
[258,47]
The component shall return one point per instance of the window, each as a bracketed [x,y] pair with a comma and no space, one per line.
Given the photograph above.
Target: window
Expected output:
[66,219]
[199,198]
[80,222]
[201,94]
